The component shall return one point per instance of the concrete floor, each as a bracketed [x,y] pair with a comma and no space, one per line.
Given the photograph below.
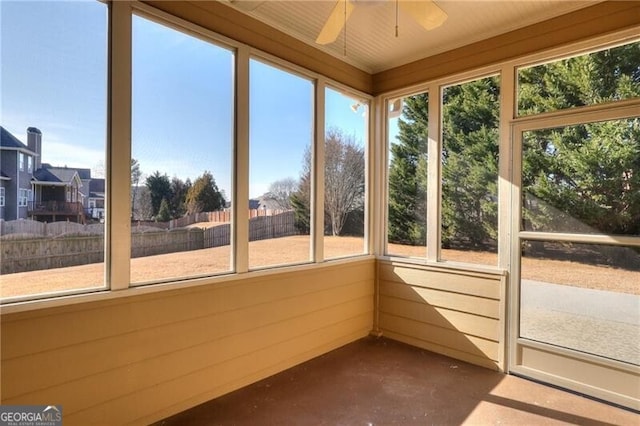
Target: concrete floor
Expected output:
[383,382]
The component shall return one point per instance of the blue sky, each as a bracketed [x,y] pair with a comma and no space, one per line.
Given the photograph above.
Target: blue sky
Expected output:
[53,77]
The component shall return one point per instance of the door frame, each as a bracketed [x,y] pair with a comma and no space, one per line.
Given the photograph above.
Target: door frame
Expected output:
[610,380]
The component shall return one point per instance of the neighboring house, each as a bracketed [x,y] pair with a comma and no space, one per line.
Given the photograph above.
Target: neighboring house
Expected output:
[95,200]
[17,163]
[57,195]
[40,191]
[268,202]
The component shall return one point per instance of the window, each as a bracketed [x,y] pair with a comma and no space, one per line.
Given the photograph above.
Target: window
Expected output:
[182,147]
[2,196]
[604,76]
[345,151]
[280,152]
[60,89]
[21,161]
[408,128]
[23,197]
[469,212]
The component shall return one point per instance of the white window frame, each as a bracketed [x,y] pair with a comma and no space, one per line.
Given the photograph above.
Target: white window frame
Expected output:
[29,163]
[117,228]
[21,161]
[23,197]
[240,186]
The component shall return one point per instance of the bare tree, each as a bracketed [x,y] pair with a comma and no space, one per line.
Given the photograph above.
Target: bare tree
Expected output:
[344,181]
[343,178]
[143,210]
[280,192]
[136,174]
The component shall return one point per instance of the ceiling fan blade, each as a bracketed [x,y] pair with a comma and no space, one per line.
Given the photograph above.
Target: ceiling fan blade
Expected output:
[425,12]
[335,22]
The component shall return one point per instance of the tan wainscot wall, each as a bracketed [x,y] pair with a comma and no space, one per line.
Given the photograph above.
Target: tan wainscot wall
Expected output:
[141,358]
[452,312]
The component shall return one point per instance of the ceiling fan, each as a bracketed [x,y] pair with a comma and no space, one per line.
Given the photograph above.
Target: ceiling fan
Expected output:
[424,12]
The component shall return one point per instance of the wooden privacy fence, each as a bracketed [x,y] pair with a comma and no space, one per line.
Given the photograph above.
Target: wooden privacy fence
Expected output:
[31,254]
[19,253]
[217,236]
[35,228]
[44,229]
[265,227]
[220,217]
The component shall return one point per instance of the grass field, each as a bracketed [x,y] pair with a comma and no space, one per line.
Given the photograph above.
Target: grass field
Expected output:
[295,249]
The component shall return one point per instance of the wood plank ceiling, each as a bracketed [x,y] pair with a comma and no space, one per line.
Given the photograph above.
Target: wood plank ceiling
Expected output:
[371,44]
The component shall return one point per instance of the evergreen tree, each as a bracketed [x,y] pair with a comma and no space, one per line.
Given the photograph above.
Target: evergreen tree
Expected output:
[204,195]
[408,174]
[301,204]
[578,178]
[177,201]
[470,164]
[164,212]
[159,189]
[583,178]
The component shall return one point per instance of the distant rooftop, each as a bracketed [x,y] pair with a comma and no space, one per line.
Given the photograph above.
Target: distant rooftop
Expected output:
[7,140]
[55,174]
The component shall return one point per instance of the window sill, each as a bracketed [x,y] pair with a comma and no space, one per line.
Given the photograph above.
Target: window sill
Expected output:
[45,302]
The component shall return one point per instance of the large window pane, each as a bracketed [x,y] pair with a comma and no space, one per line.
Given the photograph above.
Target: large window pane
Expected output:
[53,109]
[408,127]
[604,76]
[583,178]
[182,149]
[280,166]
[470,119]
[584,297]
[344,174]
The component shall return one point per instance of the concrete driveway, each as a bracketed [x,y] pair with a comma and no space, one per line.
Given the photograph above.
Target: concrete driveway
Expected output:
[594,321]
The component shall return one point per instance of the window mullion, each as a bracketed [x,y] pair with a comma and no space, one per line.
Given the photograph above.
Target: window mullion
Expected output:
[118,183]
[505,182]
[434,186]
[317,173]
[379,190]
[240,225]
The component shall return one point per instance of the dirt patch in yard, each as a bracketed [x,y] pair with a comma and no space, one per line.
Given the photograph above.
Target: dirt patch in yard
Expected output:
[296,249]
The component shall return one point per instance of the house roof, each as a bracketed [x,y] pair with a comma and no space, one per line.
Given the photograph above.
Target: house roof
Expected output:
[254,204]
[83,173]
[8,141]
[55,175]
[96,188]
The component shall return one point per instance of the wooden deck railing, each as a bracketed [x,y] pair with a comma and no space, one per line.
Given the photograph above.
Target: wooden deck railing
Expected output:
[55,207]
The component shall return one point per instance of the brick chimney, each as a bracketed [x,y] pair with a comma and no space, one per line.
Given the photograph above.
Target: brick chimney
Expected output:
[34,143]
